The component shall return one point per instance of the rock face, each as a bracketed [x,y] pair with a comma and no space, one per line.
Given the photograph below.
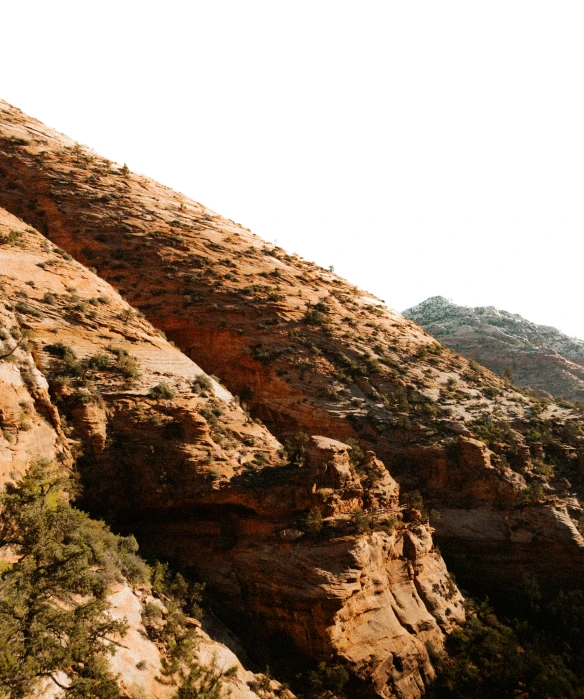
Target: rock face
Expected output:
[374,601]
[86,379]
[539,356]
[306,352]
[542,542]
[138,660]
[104,365]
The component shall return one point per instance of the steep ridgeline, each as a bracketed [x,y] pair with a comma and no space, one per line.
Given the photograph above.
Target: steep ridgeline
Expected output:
[86,381]
[538,356]
[306,351]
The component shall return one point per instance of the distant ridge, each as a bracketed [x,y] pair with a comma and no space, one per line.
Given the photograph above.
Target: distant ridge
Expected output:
[539,356]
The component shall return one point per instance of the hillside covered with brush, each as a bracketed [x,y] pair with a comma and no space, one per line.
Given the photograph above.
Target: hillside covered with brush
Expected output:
[254,418]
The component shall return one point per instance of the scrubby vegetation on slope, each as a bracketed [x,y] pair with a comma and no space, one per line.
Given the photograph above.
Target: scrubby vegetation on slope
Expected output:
[540,656]
[54,586]
[536,356]
[307,353]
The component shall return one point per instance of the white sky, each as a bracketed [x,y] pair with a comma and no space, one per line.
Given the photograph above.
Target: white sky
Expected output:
[420,147]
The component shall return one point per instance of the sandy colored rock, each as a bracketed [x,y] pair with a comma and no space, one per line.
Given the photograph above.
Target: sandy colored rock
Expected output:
[306,352]
[210,480]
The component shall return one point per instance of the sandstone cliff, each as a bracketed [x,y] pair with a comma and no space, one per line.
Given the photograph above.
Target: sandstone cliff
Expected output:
[86,380]
[305,351]
[138,660]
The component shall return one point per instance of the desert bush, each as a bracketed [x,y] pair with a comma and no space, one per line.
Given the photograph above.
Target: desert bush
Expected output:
[201,383]
[314,521]
[11,238]
[209,415]
[69,365]
[127,366]
[534,492]
[364,365]
[314,317]
[539,657]
[366,523]
[24,308]
[60,350]
[356,454]
[489,431]
[327,679]
[413,499]
[296,447]
[162,391]
[99,361]
[125,363]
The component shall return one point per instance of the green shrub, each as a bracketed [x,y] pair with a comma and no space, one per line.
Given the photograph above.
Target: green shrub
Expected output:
[69,364]
[11,238]
[184,593]
[356,454]
[326,680]
[201,383]
[209,416]
[152,611]
[295,448]
[362,522]
[127,366]
[489,431]
[202,681]
[60,350]
[313,317]
[24,308]
[533,493]
[125,363]
[364,365]
[162,391]
[413,500]
[487,658]
[314,521]
[99,361]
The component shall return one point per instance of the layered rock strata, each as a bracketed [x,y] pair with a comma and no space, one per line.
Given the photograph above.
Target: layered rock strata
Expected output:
[306,351]
[173,455]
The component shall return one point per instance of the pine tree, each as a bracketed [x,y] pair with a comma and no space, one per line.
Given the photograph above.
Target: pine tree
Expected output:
[53,621]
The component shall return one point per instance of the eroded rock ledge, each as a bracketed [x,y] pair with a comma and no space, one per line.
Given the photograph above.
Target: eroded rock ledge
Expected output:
[190,472]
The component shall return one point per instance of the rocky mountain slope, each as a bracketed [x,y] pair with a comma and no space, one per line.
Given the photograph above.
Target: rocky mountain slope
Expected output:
[87,380]
[192,470]
[538,356]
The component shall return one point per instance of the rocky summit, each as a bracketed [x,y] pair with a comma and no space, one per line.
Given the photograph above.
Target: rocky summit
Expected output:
[259,425]
[534,356]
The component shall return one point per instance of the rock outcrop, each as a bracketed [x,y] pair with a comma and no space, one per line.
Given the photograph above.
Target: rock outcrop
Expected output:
[374,600]
[138,660]
[86,380]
